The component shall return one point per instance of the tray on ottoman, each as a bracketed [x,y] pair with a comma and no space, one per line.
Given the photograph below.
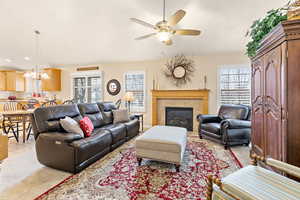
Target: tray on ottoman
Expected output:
[162,143]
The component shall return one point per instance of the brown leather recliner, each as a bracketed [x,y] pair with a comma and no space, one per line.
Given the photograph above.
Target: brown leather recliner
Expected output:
[232,126]
[70,152]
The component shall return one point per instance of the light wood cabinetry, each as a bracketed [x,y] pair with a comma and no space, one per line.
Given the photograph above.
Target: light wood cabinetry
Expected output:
[12,81]
[2,81]
[54,82]
[15,81]
[20,82]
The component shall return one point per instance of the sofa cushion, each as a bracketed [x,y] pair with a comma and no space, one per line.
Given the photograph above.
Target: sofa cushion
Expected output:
[93,112]
[87,126]
[108,117]
[71,126]
[234,112]
[118,132]
[107,106]
[58,137]
[120,116]
[47,118]
[91,146]
[212,128]
[106,109]
[132,128]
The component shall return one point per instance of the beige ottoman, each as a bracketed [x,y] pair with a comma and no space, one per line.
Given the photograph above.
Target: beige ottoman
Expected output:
[162,143]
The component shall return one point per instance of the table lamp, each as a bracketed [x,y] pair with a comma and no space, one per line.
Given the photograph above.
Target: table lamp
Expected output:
[128,98]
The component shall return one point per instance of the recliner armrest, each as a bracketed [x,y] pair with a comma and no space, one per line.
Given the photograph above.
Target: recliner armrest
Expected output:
[235,123]
[132,117]
[208,118]
[61,137]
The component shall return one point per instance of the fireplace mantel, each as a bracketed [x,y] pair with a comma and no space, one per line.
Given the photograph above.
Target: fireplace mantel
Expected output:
[201,95]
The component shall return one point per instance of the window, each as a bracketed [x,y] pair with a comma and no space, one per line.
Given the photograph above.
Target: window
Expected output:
[87,88]
[235,85]
[135,83]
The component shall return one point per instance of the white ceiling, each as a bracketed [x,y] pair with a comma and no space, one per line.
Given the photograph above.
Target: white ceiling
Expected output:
[85,32]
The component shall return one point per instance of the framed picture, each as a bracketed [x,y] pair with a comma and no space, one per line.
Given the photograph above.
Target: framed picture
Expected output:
[113,87]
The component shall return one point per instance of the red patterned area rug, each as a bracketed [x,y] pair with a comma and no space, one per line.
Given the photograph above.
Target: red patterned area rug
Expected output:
[118,176]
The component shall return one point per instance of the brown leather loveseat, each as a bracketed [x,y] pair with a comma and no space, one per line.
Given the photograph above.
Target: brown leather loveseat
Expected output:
[70,152]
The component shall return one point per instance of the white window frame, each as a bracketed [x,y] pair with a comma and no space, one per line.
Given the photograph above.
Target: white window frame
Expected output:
[239,66]
[142,110]
[87,74]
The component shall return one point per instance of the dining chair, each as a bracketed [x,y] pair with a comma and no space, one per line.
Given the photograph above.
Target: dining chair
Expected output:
[32,103]
[69,102]
[12,124]
[49,103]
[12,106]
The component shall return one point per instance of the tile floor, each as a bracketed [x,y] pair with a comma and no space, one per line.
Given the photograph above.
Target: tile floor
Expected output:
[22,177]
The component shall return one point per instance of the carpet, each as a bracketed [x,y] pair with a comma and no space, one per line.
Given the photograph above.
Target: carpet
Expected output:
[117,175]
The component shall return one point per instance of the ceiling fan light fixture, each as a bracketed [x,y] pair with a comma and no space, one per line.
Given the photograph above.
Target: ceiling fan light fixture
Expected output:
[164,36]
[165,29]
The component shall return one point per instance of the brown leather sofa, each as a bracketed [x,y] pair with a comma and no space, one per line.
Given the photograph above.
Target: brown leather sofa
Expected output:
[70,152]
[232,125]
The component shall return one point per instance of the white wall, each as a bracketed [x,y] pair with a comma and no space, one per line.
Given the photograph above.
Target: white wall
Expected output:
[204,65]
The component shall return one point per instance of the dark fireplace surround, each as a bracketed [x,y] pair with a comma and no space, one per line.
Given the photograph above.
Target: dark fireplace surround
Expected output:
[180,117]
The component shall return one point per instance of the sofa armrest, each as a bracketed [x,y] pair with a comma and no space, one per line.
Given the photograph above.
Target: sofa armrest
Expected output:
[208,118]
[60,137]
[235,124]
[53,149]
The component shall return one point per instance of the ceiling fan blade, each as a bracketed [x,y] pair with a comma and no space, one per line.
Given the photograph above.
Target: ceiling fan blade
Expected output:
[145,36]
[168,42]
[143,23]
[187,32]
[174,19]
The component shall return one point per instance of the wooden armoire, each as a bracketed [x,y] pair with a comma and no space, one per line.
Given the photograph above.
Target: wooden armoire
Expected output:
[276,95]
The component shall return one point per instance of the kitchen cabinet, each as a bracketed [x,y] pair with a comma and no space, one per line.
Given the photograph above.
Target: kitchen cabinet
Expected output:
[2,81]
[12,81]
[53,84]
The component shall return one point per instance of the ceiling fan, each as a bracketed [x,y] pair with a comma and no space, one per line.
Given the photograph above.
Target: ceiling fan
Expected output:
[164,29]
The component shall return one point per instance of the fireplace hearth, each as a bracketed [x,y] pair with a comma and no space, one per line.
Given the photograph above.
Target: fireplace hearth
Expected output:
[180,116]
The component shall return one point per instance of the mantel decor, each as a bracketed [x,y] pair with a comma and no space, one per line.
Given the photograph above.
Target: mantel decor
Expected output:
[179,69]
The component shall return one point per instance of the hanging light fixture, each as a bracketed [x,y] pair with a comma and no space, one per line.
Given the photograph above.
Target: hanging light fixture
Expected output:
[36,74]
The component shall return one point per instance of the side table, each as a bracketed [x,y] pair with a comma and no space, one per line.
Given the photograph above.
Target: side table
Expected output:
[140,117]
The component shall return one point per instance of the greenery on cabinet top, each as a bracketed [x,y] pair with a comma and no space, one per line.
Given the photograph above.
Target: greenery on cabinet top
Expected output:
[261,27]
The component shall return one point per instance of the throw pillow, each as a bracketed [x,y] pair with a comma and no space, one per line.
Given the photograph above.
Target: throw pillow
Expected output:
[87,126]
[120,116]
[71,126]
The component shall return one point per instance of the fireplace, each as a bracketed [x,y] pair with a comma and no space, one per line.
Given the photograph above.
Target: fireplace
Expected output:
[180,116]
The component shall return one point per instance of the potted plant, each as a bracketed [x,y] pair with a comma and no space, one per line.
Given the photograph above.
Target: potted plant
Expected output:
[261,27]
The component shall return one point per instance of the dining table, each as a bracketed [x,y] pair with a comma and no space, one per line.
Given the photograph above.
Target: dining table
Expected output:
[23,115]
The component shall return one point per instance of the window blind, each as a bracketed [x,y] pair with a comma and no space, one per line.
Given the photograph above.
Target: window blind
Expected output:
[135,83]
[235,85]
[87,89]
